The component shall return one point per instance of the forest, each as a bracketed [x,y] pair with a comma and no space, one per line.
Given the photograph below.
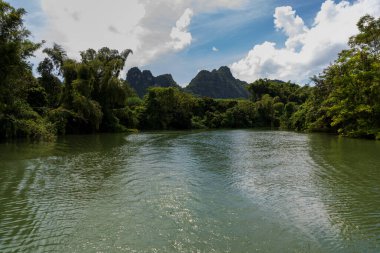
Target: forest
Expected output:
[85,96]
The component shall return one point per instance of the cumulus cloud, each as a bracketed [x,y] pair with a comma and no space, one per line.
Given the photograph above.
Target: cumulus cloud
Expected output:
[307,50]
[179,34]
[165,26]
[287,20]
[292,25]
[78,25]
[214,49]
[149,28]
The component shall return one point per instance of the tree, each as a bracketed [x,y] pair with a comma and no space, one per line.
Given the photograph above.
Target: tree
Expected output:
[368,37]
[102,69]
[346,98]
[50,82]
[93,97]
[167,108]
[17,84]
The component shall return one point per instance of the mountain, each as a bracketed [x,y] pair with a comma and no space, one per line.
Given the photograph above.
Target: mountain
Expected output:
[217,84]
[141,81]
[165,80]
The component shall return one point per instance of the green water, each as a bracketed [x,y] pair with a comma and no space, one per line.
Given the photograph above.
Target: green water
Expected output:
[217,191]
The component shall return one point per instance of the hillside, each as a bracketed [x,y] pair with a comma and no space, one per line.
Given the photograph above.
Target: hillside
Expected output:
[217,84]
[141,81]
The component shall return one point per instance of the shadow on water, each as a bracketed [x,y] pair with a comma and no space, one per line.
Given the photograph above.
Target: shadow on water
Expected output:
[348,178]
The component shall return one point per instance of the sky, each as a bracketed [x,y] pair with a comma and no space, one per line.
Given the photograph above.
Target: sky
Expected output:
[290,40]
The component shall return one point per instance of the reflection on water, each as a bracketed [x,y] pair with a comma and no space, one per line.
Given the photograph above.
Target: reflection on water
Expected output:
[221,191]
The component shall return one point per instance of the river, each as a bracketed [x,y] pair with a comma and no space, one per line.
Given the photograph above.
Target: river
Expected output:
[207,191]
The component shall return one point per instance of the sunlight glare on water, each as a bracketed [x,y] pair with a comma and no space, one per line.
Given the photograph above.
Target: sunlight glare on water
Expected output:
[213,191]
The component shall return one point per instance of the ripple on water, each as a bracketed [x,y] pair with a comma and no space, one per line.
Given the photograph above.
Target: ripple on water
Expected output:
[221,191]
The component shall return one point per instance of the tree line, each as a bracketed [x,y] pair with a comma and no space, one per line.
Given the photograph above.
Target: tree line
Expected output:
[87,96]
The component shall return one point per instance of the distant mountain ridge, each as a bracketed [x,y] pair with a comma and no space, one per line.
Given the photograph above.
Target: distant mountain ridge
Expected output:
[141,81]
[215,84]
[218,84]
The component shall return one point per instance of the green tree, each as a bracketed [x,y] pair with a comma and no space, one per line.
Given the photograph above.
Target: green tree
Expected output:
[17,84]
[93,97]
[346,98]
[167,108]
[266,112]
[242,115]
[50,82]
[103,69]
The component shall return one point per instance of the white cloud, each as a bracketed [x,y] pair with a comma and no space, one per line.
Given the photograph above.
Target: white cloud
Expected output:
[164,27]
[181,38]
[205,6]
[78,25]
[149,28]
[214,49]
[307,50]
[292,25]
[287,20]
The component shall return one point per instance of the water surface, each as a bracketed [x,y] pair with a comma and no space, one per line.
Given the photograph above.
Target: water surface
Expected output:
[214,191]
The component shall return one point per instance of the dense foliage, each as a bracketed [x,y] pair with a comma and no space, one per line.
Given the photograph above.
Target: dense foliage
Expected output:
[346,97]
[87,96]
[170,108]
[20,94]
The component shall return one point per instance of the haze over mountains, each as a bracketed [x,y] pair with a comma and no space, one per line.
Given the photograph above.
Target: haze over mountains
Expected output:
[214,84]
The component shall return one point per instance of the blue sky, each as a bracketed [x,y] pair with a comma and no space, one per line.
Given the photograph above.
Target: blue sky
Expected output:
[233,33]
[289,40]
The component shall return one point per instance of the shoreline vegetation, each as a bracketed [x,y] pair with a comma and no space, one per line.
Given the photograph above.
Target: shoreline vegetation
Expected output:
[88,96]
